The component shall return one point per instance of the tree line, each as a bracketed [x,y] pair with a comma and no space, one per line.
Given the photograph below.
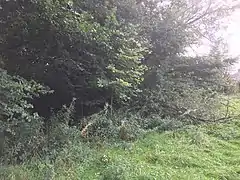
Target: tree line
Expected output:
[130,55]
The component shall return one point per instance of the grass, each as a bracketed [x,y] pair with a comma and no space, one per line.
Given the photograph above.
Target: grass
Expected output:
[203,152]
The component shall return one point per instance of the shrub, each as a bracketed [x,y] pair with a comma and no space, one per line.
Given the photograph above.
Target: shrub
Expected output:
[119,125]
[20,127]
[58,132]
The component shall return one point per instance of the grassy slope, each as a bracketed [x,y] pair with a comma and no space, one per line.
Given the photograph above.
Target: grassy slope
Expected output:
[207,152]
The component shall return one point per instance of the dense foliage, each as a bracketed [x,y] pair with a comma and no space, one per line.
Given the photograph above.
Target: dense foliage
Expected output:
[92,61]
[21,128]
[115,68]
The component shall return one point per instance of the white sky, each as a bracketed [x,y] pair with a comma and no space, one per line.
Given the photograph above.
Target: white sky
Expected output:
[231,35]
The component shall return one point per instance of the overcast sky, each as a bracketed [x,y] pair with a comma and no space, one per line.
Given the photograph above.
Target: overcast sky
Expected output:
[231,35]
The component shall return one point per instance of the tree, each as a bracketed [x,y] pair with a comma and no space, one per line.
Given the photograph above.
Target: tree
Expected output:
[93,56]
[174,82]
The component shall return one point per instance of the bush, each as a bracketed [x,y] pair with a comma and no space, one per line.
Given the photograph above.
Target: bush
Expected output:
[20,128]
[183,103]
[58,132]
[118,125]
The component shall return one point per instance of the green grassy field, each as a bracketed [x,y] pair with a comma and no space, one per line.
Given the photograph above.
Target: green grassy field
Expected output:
[203,152]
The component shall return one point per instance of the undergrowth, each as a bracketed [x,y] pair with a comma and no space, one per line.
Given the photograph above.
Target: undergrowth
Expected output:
[197,152]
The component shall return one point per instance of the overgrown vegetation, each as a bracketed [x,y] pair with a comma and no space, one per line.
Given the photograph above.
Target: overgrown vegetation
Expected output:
[203,152]
[81,76]
[21,128]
